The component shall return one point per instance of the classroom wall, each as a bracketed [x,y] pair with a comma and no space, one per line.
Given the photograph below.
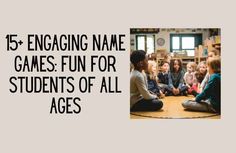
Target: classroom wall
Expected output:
[165,34]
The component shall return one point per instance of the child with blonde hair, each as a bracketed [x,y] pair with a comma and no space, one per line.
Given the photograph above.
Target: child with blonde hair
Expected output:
[199,76]
[189,76]
[202,68]
[211,54]
[151,73]
[209,100]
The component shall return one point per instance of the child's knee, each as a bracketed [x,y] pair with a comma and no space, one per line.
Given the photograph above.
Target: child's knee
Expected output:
[159,104]
[185,104]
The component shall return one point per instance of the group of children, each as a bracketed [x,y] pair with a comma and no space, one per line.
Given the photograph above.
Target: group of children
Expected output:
[147,86]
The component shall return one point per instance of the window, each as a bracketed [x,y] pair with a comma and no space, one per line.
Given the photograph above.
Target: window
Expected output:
[176,43]
[141,42]
[146,43]
[185,42]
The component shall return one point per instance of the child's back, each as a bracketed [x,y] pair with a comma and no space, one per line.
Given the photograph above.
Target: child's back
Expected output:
[209,99]
[212,91]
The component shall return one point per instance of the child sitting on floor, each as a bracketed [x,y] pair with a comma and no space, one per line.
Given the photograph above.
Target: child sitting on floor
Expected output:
[211,54]
[163,79]
[196,85]
[176,79]
[199,76]
[189,76]
[202,68]
[209,99]
[140,98]
[152,79]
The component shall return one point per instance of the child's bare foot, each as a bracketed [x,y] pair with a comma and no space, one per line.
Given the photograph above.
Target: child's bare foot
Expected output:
[162,95]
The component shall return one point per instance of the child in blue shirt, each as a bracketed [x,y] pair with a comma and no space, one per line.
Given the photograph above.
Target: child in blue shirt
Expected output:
[151,73]
[163,80]
[209,99]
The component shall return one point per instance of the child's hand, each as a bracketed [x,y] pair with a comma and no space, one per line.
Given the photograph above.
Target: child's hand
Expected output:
[177,91]
[174,91]
[162,95]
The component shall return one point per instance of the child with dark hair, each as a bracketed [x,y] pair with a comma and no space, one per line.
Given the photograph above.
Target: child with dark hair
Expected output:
[163,79]
[176,79]
[140,98]
[209,99]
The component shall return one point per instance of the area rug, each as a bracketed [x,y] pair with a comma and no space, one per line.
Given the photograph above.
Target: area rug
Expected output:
[173,109]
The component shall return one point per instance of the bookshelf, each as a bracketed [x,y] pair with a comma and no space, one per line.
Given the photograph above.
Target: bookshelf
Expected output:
[184,60]
[158,61]
[213,42]
[200,54]
[217,46]
[210,43]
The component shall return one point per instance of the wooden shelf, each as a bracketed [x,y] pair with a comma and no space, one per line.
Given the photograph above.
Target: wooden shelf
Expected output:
[185,61]
[202,57]
[214,44]
[209,44]
[197,60]
[217,46]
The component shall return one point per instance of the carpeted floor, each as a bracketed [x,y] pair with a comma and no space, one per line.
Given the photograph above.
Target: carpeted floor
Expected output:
[173,109]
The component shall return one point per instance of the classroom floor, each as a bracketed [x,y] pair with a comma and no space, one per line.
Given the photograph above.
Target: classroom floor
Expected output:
[173,109]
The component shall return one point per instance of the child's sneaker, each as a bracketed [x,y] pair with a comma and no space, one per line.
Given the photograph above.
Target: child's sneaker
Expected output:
[185,93]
